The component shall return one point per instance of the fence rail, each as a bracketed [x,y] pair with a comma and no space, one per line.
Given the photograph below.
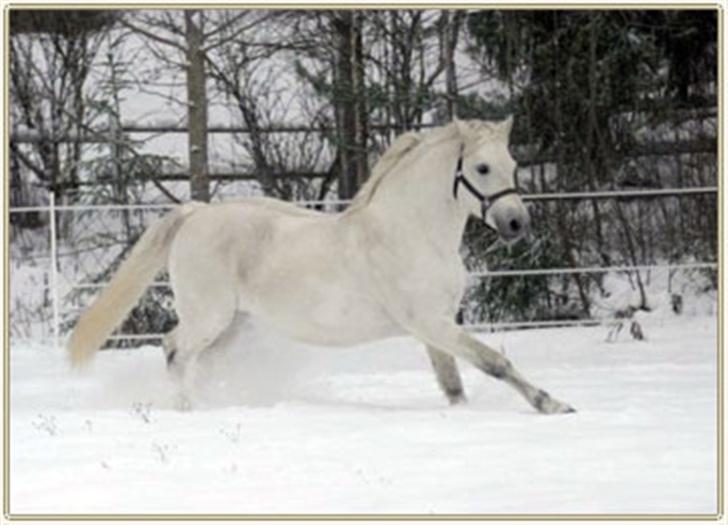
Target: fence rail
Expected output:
[52,208]
[596,269]
[507,273]
[580,195]
[472,327]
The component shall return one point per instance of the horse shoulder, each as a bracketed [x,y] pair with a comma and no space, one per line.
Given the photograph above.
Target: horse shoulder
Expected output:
[406,273]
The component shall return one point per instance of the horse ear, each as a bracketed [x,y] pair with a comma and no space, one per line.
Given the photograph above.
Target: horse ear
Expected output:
[506,126]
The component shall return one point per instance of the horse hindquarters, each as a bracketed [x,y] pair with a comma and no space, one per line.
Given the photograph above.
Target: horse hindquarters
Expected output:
[147,258]
[205,291]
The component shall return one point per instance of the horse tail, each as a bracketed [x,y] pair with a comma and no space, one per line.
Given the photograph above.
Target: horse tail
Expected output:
[146,259]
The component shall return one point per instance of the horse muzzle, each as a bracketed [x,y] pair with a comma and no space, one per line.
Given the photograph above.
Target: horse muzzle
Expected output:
[512,223]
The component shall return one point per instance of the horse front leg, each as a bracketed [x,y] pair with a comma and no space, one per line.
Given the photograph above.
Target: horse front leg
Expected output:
[449,337]
[448,377]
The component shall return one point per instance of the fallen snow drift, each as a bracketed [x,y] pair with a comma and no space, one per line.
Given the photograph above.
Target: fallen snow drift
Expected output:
[283,429]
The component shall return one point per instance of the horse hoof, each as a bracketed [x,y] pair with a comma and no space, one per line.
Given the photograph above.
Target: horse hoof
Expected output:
[558,408]
[548,405]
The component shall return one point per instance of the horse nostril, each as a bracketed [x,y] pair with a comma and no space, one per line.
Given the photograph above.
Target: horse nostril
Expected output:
[515,225]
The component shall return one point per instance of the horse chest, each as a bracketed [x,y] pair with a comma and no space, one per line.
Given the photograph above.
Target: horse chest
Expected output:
[420,273]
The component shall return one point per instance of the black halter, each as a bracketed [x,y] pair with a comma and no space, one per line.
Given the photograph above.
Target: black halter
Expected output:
[486,201]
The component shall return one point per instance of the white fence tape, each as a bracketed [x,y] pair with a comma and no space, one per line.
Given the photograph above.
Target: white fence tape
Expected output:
[52,209]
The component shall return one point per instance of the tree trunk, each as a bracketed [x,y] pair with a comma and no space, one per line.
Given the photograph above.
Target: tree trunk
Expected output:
[346,111]
[360,102]
[120,186]
[631,251]
[594,149]
[450,37]
[196,109]
[563,172]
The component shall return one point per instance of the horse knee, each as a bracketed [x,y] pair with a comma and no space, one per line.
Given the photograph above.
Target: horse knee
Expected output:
[498,367]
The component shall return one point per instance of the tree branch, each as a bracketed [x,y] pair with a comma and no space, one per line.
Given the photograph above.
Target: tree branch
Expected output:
[42,175]
[152,36]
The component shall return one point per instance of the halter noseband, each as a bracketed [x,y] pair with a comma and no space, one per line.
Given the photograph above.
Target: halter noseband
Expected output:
[486,201]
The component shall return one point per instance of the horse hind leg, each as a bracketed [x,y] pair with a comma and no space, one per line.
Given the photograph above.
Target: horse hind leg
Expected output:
[448,377]
[183,346]
[169,346]
[177,369]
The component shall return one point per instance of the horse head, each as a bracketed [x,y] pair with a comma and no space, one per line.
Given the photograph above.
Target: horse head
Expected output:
[487,171]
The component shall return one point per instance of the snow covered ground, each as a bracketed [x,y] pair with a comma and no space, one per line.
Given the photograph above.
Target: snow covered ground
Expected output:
[284,429]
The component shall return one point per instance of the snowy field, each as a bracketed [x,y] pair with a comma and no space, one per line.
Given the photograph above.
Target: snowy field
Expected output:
[283,429]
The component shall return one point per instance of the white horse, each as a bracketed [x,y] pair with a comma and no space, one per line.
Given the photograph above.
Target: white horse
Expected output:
[388,265]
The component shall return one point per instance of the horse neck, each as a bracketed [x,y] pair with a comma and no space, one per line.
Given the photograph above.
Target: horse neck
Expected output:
[419,196]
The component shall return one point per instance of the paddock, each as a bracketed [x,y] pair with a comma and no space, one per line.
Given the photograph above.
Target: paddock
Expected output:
[365,430]
[610,301]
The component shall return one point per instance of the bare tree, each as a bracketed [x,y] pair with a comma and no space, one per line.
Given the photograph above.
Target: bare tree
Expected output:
[350,101]
[196,106]
[218,46]
[189,34]
[48,74]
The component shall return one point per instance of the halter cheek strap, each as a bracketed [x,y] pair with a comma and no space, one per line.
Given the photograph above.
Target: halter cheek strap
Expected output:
[486,201]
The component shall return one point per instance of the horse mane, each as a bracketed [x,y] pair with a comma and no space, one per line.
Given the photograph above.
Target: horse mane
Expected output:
[400,149]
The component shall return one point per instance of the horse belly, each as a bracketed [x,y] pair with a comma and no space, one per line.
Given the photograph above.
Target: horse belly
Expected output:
[337,318]
[322,306]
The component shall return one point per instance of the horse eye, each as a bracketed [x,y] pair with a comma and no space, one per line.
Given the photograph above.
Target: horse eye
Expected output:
[483,169]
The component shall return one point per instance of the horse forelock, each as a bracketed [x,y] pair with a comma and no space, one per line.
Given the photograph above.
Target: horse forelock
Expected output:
[474,133]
